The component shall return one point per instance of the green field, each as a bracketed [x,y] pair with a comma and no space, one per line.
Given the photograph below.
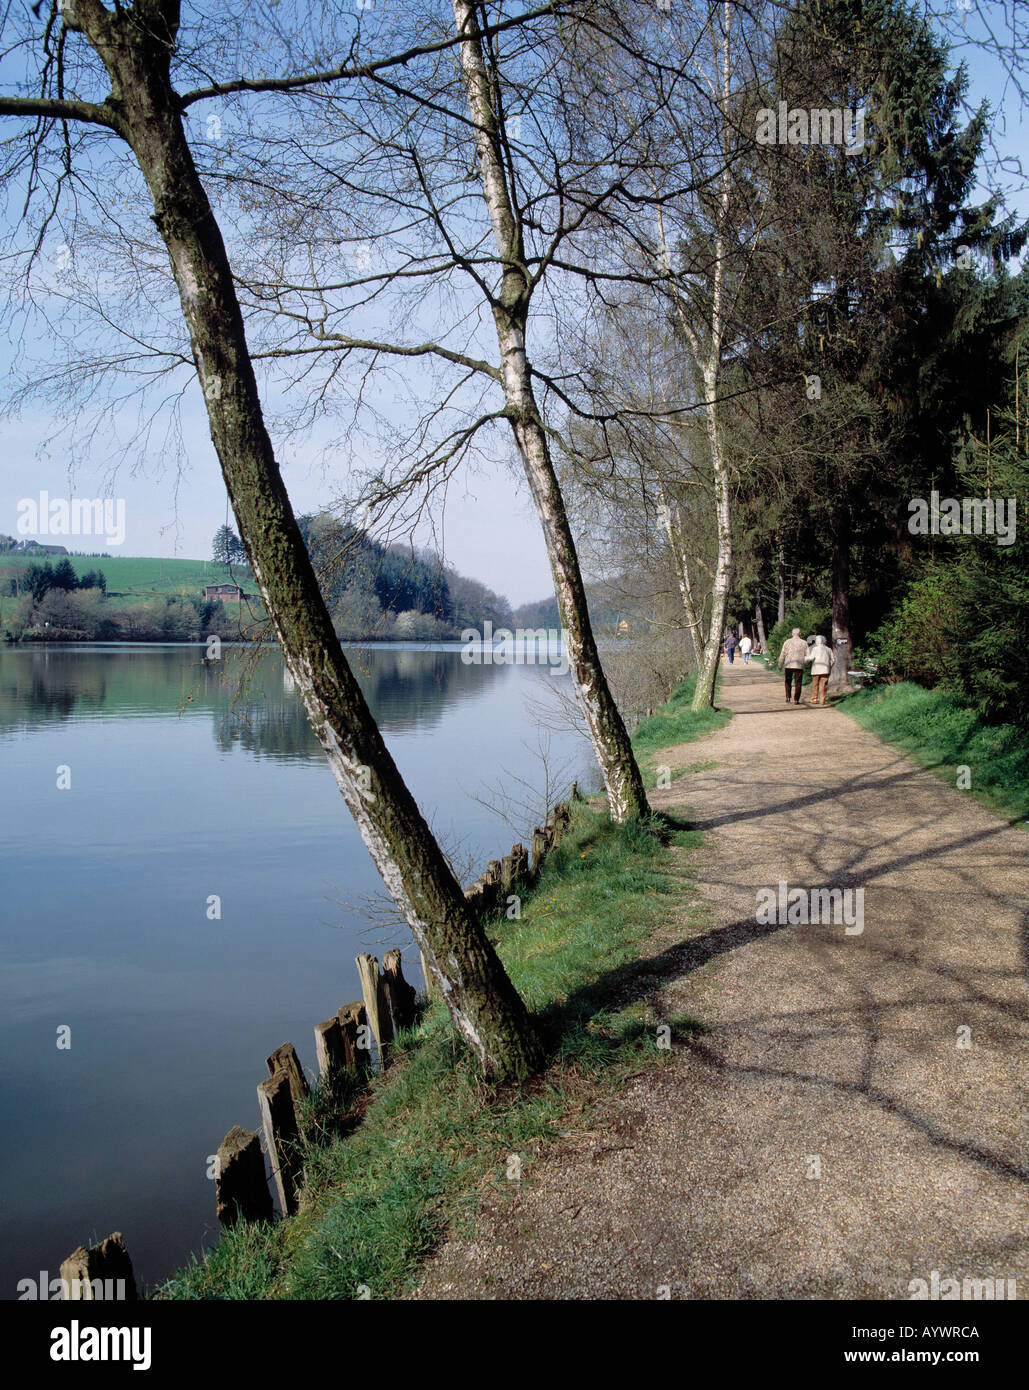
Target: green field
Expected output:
[139,577]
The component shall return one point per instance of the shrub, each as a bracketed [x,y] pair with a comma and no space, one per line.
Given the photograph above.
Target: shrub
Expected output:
[919,640]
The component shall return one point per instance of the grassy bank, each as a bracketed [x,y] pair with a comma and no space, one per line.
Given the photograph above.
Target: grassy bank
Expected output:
[433,1139]
[939,732]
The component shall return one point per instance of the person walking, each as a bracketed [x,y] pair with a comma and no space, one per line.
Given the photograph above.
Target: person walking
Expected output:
[745,646]
[822,659]
[730,646]
[794,657]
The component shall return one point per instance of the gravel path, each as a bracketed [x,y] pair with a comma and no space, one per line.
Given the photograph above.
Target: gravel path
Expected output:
[827,1137]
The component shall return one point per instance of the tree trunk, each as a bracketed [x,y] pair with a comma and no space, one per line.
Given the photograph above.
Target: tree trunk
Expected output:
[707,354]
[759,619]
[607,731]
[135,46]
[673,530]
[841,640]
[781,610]
[704,692]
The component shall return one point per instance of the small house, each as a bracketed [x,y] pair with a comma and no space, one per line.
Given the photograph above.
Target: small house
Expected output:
[224,593]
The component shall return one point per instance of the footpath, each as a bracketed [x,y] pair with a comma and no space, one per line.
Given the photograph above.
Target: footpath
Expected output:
[854,1116]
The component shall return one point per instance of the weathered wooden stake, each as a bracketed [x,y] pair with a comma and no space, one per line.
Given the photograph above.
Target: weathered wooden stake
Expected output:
[100,1272]
[491,881]
[539,850]
[374,1003]
[399,994]
[521,863]
[279,1121]
[507,873]
[329,1050]
[240,1181]
[352,1018]
[285,1058]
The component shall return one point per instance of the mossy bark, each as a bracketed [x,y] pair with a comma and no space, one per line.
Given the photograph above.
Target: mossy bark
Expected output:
[136,47]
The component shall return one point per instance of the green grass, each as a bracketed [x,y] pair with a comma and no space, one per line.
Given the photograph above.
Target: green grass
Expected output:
[939,732]
[433,1138]
[676,723]
[142,577]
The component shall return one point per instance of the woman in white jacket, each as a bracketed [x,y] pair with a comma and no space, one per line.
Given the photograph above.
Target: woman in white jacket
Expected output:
[822,659]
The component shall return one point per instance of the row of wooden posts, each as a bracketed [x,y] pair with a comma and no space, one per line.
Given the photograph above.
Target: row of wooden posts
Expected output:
[342,1044]
[492,889]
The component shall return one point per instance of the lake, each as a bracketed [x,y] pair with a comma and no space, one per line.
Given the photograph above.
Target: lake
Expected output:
[189,782]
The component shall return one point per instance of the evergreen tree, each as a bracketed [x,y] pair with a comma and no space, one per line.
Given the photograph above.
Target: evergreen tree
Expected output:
[64,576]
[224,546]
[39,580]
[870,298]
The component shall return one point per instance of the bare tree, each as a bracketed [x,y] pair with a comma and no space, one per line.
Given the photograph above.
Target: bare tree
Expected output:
[375,188]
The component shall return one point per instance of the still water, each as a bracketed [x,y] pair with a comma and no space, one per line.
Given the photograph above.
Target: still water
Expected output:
[190,782]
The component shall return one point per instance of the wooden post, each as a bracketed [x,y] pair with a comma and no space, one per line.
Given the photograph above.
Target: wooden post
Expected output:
[102,1272]
[491,884]
[329,1048]
[240,1181]
[506,874]
[539,850]
[285,1059]
[279,1121]
[521,863]
[374,1002]
[353,1017]
[399,994]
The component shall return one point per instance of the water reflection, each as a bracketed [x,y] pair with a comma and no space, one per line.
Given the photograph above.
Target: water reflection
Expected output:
[248,693]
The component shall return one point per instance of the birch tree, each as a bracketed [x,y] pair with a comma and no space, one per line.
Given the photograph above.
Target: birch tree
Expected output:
[394,232]
[706,266]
